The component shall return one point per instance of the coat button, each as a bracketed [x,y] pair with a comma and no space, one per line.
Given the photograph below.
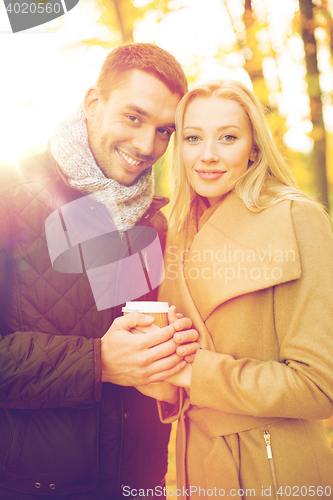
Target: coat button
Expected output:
[37,485]
[52,486]
[127,415]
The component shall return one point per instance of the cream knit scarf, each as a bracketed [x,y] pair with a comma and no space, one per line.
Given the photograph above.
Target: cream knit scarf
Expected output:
[70,148]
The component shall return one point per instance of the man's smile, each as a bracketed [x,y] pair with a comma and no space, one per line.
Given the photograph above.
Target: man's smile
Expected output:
[129,160]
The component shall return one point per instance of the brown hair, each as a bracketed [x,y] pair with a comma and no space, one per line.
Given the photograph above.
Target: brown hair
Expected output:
[145,57]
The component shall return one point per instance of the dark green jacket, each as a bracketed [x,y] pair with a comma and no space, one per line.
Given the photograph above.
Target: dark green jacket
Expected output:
[61,430]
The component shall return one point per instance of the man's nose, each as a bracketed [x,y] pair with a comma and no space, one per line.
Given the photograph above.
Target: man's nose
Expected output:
[209,153]
[144,141]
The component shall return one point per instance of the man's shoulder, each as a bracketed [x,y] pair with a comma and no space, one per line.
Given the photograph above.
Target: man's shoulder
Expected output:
[25,170]
[158,203]
[154,216]
[156,219]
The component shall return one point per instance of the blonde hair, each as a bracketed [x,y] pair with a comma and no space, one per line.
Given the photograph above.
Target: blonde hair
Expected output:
[267,181]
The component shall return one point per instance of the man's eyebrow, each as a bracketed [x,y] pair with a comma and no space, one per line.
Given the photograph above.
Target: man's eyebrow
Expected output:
[170,125]
[136,109]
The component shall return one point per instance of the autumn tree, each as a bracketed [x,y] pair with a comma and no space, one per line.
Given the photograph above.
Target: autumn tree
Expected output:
[308,25]
[121,16]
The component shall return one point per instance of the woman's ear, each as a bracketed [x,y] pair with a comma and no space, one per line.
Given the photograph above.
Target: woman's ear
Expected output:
[90,102]
[253,155]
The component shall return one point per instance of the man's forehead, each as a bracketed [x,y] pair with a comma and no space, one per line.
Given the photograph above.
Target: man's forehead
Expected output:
[144,95]
[140,84]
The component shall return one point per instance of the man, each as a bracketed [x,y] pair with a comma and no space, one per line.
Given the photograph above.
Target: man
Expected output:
[63,432]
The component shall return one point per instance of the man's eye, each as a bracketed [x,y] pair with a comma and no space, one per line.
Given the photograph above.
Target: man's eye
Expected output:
[164,131]
[133,119]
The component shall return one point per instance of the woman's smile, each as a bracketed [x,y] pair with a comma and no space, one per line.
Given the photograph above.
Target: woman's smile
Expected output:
[209,175]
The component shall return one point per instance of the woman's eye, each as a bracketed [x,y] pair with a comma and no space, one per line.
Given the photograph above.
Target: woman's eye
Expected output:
[192,138]
[228,138]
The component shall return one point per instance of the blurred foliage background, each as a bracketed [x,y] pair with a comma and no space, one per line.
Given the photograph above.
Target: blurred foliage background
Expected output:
[260,52]
[282,50]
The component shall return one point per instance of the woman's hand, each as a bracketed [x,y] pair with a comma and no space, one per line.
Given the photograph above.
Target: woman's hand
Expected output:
[183,378]
[162,391]
[185,339]
[184,348]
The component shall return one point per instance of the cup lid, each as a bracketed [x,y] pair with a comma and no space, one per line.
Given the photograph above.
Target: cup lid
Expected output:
[146,307]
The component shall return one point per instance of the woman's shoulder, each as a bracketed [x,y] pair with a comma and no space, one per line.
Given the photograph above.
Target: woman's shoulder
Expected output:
[313,231]
[308,214]
[304,213]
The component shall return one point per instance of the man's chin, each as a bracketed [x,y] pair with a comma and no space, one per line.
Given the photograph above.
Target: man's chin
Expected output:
[132,177]
[123,175]
[125,178]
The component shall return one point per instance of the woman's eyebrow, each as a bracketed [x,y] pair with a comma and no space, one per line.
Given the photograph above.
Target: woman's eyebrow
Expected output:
[191,127]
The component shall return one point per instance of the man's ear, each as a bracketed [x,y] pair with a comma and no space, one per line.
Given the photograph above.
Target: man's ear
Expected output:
[90,103]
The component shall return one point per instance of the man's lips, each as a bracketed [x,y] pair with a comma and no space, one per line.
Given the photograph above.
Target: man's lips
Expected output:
[210,175]
[130,163]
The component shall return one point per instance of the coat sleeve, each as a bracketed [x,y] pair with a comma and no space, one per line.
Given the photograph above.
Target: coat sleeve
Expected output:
[299,384]
[37,369]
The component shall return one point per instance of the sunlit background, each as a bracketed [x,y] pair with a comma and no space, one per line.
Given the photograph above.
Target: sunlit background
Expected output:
[45,71]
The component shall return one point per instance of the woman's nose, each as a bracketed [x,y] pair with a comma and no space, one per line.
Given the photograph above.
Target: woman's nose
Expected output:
[209,154]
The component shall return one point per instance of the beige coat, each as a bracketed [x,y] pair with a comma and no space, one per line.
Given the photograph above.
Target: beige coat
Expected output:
[259,289]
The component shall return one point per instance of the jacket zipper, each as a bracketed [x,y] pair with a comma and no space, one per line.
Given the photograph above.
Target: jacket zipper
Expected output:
[267,438]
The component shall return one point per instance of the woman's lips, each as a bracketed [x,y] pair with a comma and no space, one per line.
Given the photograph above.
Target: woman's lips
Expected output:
[210,175]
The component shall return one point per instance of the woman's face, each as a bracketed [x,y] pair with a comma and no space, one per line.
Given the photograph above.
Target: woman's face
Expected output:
[217,145]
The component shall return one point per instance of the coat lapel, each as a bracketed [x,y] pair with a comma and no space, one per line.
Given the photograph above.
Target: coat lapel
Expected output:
[174,289]
[238,252]
[235,252]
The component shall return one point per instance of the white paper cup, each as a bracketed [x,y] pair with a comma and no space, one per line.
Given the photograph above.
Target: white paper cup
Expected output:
[159,310]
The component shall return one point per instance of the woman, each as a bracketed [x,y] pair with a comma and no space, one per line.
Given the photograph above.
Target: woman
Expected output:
[249,259]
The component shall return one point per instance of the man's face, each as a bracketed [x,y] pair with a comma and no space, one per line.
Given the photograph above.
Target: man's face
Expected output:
[131,130]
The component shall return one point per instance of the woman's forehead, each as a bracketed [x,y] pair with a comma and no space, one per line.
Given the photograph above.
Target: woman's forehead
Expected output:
[218,109]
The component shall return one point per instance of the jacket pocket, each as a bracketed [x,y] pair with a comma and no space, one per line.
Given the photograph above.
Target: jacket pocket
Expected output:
[267,439]
[50,451]
[17,436]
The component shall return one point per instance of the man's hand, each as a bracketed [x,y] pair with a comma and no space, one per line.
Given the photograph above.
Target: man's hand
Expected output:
[133,360]
[162,391]
[185,340]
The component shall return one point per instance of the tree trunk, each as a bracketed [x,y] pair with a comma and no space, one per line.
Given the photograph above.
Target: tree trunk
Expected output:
[329,24]
[312,77]
[253,64]
[245,30]
[126,32]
